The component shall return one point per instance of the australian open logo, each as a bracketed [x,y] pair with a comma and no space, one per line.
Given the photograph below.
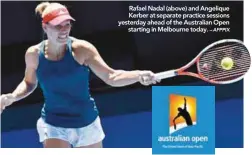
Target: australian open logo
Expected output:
[182,113]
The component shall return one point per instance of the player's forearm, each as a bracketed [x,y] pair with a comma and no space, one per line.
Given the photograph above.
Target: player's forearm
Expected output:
[122,78]
[175,118]
[23,90]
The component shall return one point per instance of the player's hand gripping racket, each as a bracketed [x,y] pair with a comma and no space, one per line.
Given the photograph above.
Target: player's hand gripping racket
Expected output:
[222,62]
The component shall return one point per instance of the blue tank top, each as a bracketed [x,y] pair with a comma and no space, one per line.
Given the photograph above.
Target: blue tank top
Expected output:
[65,86]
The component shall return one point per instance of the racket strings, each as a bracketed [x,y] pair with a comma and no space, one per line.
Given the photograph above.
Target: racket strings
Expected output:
[216,67]
[237,68]
[218,54]
[222,75]
[216,73]
[213,57]
[229,77]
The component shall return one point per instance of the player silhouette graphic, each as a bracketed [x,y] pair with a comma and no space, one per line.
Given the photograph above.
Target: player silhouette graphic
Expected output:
[185,114]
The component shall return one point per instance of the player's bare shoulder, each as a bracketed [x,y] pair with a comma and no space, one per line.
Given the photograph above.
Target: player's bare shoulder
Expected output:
[32,56]
[80,44]
[82,49]
[34,49]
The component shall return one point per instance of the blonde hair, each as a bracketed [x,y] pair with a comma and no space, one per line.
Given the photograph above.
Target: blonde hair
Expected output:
[46,7]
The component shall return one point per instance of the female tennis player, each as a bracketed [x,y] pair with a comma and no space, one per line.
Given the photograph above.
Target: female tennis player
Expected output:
[60,64]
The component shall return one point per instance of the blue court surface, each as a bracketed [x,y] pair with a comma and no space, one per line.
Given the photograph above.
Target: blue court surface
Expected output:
[134,130]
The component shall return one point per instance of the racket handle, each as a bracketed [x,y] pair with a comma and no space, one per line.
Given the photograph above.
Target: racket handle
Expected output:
[166,74]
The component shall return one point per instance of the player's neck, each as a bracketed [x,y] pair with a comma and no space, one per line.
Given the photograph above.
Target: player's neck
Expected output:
[55,49]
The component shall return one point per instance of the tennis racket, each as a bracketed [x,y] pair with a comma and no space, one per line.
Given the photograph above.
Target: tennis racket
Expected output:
[209,63]
[175,127]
